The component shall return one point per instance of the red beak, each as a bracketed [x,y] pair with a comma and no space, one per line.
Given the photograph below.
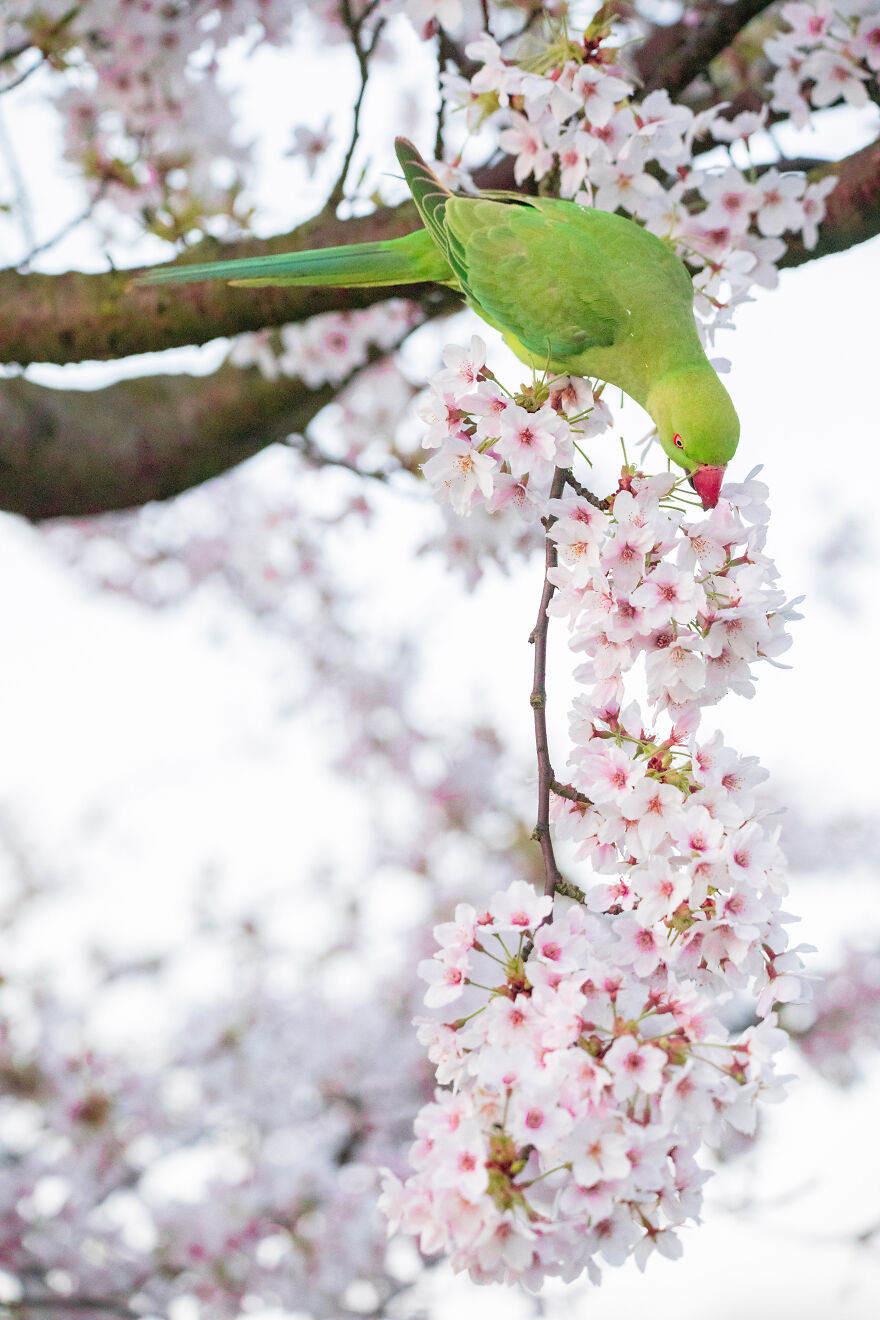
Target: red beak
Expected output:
[706,481]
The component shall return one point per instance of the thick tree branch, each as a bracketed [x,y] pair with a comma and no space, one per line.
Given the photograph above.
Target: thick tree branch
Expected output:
[852,211]
[30,1306]
[77,452]
[78,317]
[673,56]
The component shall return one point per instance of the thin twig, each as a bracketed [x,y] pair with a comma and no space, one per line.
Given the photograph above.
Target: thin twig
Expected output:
[23,77]
[450,49]
[570,793]
[305,446]
[566,889]
[552,875]
[441,104]
[66,228]
[571,480]
[363,54]
[12,52]
[22,200]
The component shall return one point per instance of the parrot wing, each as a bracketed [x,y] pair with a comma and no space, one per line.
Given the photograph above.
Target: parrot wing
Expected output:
[535,275]
[526,271]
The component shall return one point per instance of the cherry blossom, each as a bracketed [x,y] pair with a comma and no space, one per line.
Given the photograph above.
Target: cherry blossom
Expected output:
[598,1059]
[586,1045]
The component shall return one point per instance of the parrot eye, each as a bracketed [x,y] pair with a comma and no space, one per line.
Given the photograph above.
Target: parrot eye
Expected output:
[678,442]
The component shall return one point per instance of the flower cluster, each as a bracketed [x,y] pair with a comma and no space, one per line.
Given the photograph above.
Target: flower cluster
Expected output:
[573,112]
[698,599]
[497,448]
[329,347]
[827,53]
[584,1081]
[235,1168]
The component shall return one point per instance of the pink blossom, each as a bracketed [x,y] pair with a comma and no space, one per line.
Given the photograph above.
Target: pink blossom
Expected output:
[732,201]
[525,140]
[780,202]
[641,947]
[668,595]
[599,92]
[463,366]
[461,472]
[813,204]
[835,74]
[634,1067]
[446,980]
[518,908]
[867,42]
[532,441]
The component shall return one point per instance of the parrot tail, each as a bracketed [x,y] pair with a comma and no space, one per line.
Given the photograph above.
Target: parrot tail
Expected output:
[413,259]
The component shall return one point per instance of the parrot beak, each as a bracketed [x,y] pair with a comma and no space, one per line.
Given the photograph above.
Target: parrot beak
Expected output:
[706,481]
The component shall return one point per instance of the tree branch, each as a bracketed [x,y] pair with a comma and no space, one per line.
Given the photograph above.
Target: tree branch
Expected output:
[852,211]
[673,56]
[552,875]
[26,1306]
[362,54]
[570,793]
[76,452]
[77,317]
[316,457]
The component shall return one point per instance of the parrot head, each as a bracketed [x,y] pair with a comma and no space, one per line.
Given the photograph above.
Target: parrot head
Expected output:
[697,425]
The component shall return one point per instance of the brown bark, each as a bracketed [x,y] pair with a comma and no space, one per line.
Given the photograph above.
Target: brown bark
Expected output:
[78,317]
[673,56]
[77,452]
[852,210]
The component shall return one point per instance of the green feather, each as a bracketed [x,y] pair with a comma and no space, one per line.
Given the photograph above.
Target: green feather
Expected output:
[413,259]
[574,290]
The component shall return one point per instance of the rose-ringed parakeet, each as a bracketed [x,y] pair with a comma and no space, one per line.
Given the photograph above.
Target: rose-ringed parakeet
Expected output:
[573,290]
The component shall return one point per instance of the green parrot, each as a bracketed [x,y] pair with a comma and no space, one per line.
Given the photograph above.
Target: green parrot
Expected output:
[573,290]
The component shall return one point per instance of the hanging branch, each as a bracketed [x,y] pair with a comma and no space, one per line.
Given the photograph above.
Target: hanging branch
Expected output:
[47,36]
[24,75]
[552,875]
